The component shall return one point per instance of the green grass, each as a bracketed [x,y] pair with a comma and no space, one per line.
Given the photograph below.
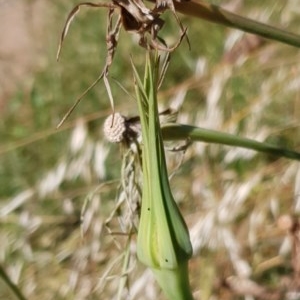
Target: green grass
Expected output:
[231,199]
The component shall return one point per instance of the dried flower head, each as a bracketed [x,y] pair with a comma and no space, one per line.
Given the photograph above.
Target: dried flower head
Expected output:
[114,128]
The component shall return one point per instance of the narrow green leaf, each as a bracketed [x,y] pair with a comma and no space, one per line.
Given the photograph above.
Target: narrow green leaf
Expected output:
[173,131]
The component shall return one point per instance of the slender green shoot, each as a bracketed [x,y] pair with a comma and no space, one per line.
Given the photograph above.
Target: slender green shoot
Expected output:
[173,131]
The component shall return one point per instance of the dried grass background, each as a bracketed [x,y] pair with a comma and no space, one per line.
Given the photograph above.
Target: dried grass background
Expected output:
[58,188]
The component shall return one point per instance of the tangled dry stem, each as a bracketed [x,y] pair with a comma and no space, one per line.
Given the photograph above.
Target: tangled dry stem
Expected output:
[133,16]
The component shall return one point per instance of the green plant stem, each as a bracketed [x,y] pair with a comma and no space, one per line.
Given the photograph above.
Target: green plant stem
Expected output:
[182,132]
[15,290]
[216,14]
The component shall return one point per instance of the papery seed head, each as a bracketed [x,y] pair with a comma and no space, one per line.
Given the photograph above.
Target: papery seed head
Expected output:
[114,128]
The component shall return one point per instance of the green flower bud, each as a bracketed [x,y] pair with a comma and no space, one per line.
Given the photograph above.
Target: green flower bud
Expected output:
[163,242]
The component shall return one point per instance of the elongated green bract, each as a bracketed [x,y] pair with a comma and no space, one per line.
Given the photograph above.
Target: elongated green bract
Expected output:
[163,239]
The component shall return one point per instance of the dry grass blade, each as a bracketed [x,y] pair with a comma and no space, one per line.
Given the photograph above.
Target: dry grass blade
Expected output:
[289,288]
[164,69]
[71,17]
[13,288]
[295,234]
[244,286]
[111,43]
[108,89]
[68,113]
